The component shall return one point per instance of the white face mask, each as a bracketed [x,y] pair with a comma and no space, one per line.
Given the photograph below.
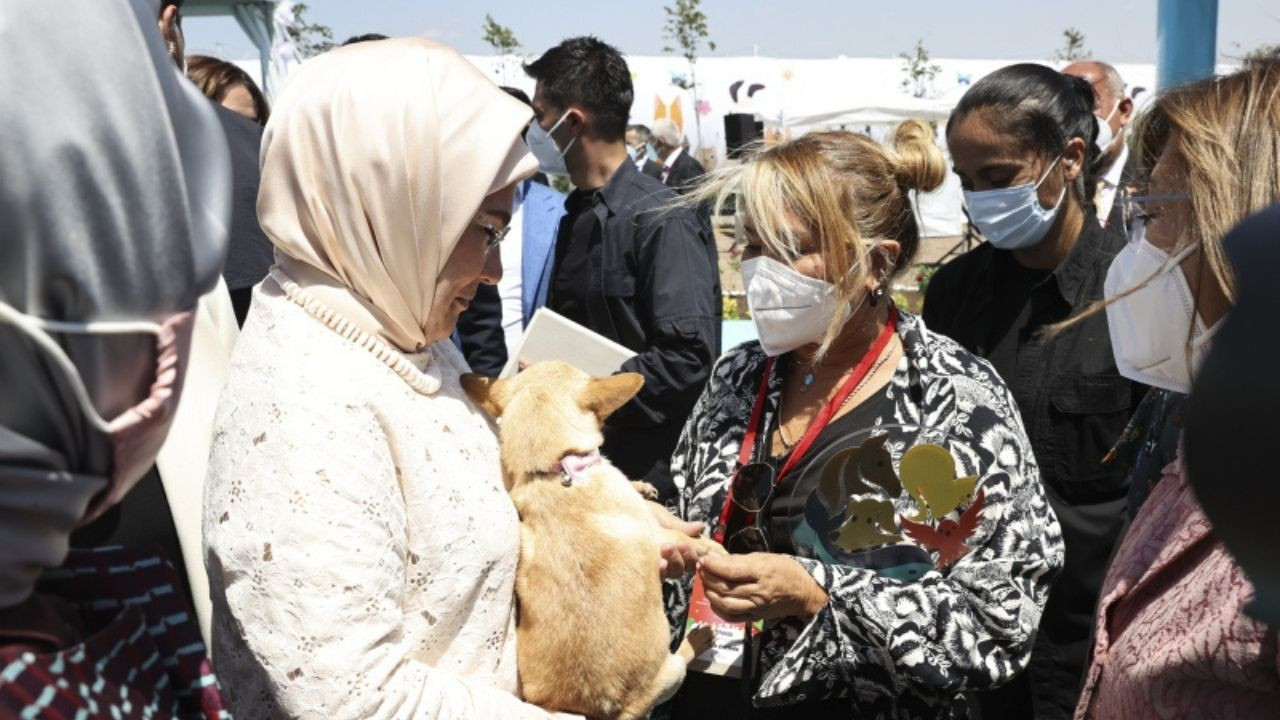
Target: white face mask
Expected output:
[1150,327]
[1105,136]
[543,147]
[1013,217]
[789,309]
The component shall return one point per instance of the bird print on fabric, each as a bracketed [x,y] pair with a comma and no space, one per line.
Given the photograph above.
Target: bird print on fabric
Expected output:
[929,476]
[947,539]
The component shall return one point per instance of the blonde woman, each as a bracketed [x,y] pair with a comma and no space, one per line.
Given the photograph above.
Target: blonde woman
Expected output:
[361,547]
[1171,638]
[883,625]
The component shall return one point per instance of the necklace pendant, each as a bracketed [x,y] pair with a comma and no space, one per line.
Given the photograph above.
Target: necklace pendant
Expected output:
[807,380]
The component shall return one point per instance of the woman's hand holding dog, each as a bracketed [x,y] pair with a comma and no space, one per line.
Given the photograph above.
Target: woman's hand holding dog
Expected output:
[759,586]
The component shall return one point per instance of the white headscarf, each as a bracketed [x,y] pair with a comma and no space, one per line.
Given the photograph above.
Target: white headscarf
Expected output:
[114,199]
[375,160]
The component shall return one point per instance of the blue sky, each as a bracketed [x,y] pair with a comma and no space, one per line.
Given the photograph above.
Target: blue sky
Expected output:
[1115,30]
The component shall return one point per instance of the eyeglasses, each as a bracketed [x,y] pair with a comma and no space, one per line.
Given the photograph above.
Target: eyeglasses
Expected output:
[751,489]
[1137,208]
[495,235]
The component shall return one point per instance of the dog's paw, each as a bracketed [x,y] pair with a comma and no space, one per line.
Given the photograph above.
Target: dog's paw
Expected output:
[698,640]
[647,491]
[707,546]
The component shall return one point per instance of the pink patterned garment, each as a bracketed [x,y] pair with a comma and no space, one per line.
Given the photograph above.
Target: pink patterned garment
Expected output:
[1172,640]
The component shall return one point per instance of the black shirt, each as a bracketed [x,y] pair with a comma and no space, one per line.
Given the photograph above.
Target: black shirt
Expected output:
[573,240]
[1011,307]
[1075,405]
[249,252]
[634,268]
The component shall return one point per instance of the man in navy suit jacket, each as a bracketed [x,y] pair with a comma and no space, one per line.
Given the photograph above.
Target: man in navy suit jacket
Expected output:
[487,329]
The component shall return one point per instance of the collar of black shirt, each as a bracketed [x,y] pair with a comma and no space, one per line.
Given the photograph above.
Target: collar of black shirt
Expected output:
[1075,277]
[613,194]
[1078,271]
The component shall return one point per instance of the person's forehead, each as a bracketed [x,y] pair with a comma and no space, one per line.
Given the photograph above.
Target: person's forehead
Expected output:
[1170,167]
[979,136]
[787,220]
[496,207]
[539,100]
[1101,88]
[1092,74]
[1098,81]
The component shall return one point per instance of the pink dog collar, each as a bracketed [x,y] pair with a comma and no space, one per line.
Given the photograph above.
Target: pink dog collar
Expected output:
[572,467]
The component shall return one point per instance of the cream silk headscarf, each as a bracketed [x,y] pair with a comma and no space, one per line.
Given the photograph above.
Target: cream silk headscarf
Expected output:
[376,159]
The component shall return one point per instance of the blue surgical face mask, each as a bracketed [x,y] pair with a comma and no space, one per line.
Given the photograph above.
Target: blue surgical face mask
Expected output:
[543,146]
[1013,217]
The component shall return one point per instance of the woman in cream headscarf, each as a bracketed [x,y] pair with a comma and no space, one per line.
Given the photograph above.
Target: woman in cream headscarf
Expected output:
[360,544]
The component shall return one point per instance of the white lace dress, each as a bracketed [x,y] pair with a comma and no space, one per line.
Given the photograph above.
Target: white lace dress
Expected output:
[360,545]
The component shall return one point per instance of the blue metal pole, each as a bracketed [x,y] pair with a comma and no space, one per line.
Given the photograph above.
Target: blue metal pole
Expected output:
[1186,41]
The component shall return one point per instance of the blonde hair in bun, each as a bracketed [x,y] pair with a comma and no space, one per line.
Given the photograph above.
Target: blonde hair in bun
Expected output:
[918,164]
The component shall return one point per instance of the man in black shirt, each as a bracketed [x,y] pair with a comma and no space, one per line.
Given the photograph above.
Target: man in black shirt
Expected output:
[628,264]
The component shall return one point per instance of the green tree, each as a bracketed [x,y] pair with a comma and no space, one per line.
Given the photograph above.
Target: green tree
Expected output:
[1073,48]
[308,38]
[685,29]
[919,72]
[499,37]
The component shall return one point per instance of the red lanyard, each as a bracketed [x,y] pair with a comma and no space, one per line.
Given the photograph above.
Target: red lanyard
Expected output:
[815,428]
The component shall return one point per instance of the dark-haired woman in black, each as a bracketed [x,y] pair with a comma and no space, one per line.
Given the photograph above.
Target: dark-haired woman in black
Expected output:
[1022,141]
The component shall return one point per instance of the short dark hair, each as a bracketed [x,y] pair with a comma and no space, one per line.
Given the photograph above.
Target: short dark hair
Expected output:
[367,37]
[516,93]
[589,72]
[1041,109]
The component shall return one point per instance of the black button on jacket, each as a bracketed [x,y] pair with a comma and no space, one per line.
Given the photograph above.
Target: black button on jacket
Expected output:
[1074,405]
[643,274]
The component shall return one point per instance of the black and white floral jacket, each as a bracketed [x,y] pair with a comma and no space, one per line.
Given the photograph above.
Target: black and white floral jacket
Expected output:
[897,648]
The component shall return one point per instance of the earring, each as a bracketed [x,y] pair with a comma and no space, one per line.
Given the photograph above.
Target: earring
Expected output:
[877,295]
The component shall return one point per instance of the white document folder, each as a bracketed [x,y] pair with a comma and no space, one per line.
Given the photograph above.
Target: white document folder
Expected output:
[555,337]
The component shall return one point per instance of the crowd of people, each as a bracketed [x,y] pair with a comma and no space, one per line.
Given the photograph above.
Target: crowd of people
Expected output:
[240,476]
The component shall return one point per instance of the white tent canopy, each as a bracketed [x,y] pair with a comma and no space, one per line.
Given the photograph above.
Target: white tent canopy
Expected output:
[786,94]
[793,96]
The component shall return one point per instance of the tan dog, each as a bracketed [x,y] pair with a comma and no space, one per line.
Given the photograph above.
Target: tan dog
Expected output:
[592,636]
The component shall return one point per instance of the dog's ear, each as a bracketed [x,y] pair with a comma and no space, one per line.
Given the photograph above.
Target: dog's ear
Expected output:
[489,393]
[603,396]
